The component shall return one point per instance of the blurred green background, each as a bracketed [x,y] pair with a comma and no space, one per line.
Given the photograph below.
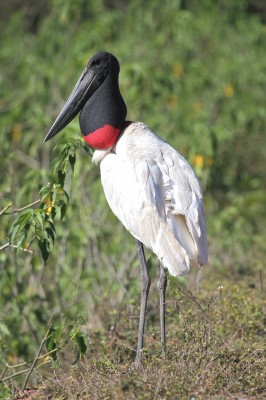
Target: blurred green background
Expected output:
[195,72]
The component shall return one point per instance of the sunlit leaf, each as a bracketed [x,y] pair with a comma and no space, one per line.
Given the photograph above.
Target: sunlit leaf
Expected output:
[24,217]
[40,217]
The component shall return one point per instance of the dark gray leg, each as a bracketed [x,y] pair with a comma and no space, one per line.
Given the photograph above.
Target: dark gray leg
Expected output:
[162,284]
[145,286]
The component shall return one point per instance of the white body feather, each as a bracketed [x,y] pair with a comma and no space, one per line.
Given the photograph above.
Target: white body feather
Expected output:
[156,195]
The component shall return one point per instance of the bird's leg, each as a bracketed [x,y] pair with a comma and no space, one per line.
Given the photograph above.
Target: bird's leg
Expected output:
[162,284]
[145,286]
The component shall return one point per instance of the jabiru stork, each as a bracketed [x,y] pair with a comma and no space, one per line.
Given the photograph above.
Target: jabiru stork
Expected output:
[149,186]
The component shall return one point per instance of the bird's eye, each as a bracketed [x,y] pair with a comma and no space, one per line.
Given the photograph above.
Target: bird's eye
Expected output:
[96,62]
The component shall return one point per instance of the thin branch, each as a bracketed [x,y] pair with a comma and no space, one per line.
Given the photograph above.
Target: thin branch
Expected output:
[3,373]
[33,366]
[16,210]
[10,204]
[17,365]
[16,247]
[189,295]
[8,366]
[22,248]
[42,364]
[5,246]
[36,359]
[23,371]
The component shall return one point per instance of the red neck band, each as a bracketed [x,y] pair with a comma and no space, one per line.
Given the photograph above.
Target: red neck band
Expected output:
[103,138]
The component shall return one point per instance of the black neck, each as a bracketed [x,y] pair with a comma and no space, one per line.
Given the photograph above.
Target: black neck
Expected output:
[105,107]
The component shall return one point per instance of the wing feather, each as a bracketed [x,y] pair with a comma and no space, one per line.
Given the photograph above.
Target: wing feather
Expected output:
[154,192]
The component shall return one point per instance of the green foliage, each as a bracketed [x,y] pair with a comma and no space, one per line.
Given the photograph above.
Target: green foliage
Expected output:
[195,73]
[38,224]
[51,342]
[57,339]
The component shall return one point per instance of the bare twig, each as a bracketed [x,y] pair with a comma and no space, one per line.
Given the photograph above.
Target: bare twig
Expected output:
[5,246]
[23,371]
[17,365]
[16,247]
[16,210]
[4,209]
[188,295]
[8,366]
[36,359]
[3,373]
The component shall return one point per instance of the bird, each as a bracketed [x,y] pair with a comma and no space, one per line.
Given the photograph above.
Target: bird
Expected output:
[149,186]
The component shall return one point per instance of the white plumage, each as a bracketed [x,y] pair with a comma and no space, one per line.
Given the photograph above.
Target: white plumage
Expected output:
[156,195]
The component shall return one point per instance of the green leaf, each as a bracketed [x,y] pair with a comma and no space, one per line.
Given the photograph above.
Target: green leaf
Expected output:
[81,343]
[39,217]
[45,191]
[82,347]
[88,149]
[61,177]
[63,210]
[23,217]
[66,195]
[53,212]
[44,246]
[13,233]
[51,342]
[20,228]
[21,238]
[51,225]
[50,234]
[72,161]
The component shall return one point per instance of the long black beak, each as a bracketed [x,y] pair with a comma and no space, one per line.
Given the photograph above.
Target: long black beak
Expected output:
[83,90]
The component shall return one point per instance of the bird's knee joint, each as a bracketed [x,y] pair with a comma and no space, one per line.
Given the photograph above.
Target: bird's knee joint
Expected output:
[146,282]
[162,282]
[161,285]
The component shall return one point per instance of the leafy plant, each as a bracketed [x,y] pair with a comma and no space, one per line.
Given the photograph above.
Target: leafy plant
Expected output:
[39,224]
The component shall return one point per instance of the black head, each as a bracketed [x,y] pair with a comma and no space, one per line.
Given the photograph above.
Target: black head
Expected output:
[97,88]
[103,64]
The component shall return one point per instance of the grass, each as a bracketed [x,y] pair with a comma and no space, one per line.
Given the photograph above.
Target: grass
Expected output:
[216,349]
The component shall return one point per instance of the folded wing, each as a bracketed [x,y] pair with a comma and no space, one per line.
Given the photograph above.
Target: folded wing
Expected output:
[155,194]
